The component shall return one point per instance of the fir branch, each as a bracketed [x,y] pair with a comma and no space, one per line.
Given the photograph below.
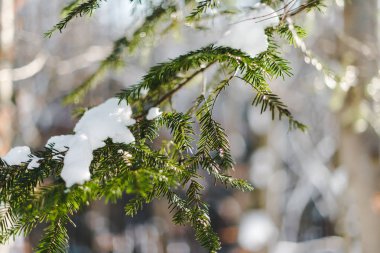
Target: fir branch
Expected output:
[114,59]
[273,65]
[69,7]
[164,74]
[74,10]
[270,101]
[201,8]
[284,31]
[201,223]
[180,85]
[55,237]
[7,221]
[134,205]
[213,168]
[240,184]
[193,193]
[17,183]
[146,129]
[180,126]
[20,227]
[143,169]
[213,143]
[172,91]
[197,215]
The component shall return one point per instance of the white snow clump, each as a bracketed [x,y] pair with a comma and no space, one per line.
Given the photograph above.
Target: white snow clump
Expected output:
[17,155]
[107,120]
[34,162]
[153,113]
[247,31]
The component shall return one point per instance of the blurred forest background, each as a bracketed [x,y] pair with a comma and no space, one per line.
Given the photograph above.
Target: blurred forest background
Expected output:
[314,192]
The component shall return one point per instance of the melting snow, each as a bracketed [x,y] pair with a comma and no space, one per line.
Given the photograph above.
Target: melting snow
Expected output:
[34,163]
[17,155]
[107,120]
[153,113]
[76,167]
[247,32]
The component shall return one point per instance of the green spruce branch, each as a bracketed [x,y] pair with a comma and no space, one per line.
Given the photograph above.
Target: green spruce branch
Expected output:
[31,197]
[115,58]
[73,10]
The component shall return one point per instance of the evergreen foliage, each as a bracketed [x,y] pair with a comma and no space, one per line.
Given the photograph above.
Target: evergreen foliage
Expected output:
[121,46]
[74,9]
[202,7]
[30,197]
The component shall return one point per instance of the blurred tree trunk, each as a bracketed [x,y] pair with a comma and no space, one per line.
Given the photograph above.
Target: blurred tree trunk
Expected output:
[359,151]
[7,32]
[7,28]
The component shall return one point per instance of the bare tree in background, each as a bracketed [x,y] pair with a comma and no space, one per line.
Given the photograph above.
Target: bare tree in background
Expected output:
[7,33]
[359,151]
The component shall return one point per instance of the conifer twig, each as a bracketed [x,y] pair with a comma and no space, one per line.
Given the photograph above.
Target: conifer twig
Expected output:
[171,92]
